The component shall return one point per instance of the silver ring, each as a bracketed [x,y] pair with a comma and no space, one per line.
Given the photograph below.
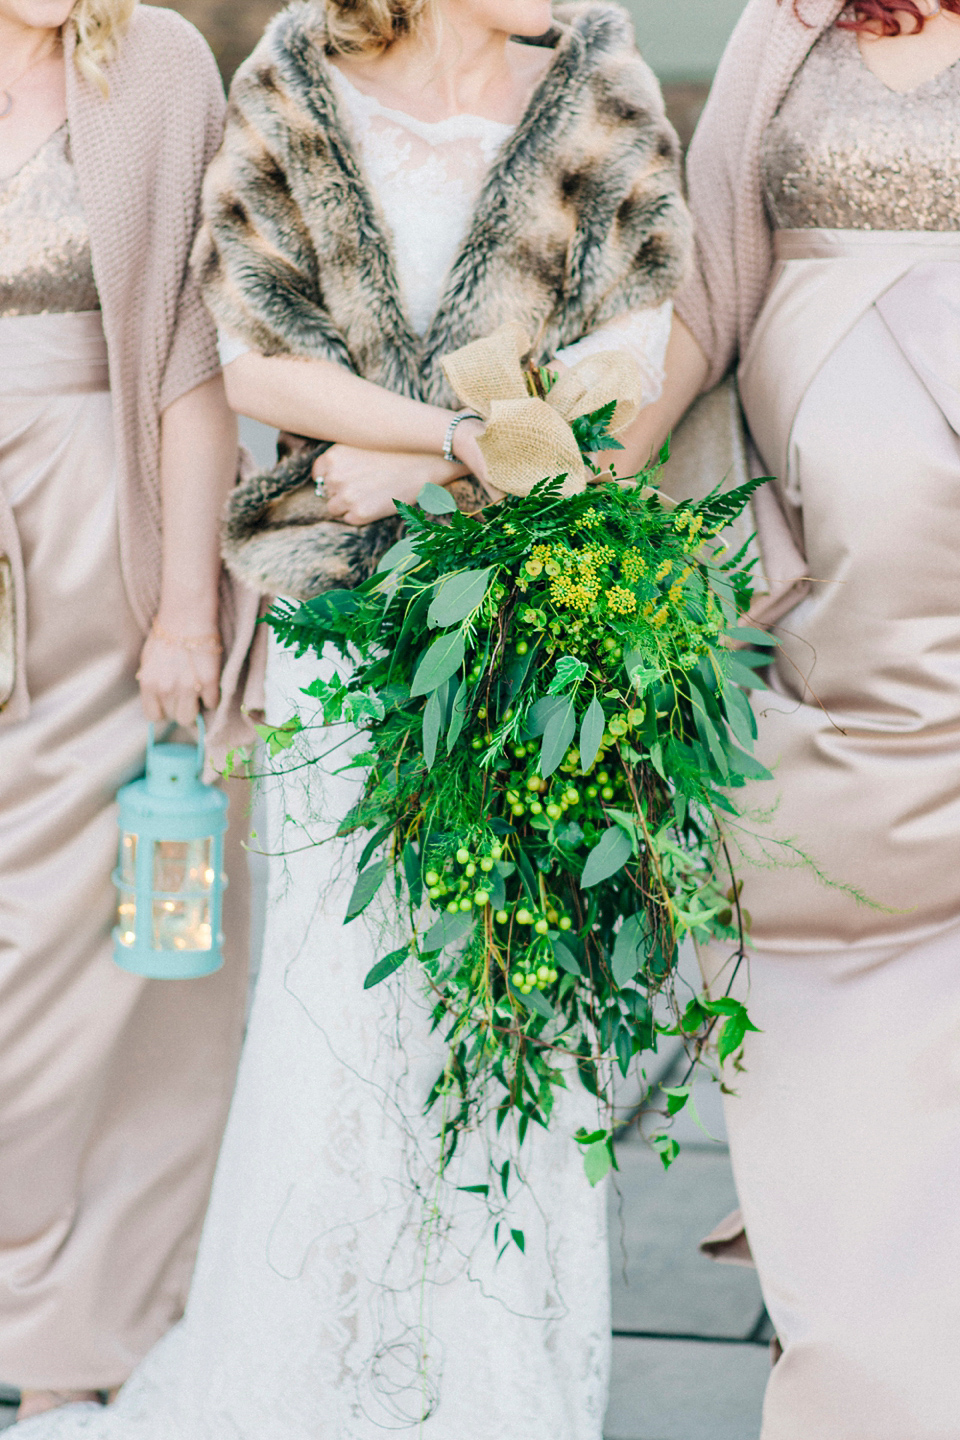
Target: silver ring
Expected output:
[320,485]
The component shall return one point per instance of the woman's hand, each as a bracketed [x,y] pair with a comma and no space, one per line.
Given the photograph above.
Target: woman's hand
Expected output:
[361,485]
[177,673]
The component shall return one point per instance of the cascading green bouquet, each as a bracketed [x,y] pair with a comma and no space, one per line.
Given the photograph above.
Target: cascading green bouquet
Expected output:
[554,718]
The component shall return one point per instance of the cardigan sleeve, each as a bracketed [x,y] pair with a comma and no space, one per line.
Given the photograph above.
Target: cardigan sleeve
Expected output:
[192,357]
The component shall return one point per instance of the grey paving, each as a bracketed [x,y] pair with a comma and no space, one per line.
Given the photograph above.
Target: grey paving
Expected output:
[661,1282]
[680,1390]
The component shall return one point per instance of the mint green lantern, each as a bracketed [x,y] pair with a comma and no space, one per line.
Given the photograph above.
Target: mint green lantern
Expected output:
[170,877]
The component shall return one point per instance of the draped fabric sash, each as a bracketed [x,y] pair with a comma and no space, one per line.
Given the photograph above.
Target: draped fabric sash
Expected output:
[836,275]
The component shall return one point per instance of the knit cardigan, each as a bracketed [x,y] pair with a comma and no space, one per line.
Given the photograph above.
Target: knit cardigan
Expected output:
[140,153]
[580,219]
[734,246]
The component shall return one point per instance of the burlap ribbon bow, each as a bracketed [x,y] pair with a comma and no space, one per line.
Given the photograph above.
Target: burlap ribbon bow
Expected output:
[527,439]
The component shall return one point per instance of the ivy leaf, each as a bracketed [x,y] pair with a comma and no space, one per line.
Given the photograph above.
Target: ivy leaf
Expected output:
[435,500]
[666,1147]
[597,1161]
[457,596]
[363,705]
[609,855]
[280,737]
[385,967]
[367,885]
[569,672]
[557,735]
[591,734]
[443,659]
[677,1097]
[640,674]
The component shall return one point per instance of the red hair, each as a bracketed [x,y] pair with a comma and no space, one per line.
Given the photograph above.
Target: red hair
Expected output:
[880,16]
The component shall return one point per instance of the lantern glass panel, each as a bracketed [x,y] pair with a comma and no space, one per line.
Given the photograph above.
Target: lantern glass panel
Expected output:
[128,859]
[183,867]
[127,916]
[182,924]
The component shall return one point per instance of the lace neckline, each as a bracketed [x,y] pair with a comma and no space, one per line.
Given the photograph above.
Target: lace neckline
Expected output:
[464,125]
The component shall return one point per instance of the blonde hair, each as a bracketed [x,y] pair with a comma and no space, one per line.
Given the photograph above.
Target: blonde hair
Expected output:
[367,27]
[99,25]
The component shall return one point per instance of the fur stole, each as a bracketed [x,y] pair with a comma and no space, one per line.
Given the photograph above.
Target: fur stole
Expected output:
[580,219]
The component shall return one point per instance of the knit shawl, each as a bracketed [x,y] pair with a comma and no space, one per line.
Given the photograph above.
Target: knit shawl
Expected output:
[580,219]
[734,248]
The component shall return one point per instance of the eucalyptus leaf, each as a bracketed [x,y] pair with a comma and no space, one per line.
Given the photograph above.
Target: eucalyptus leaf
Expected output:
[628,950]
[557,735]
[373,842]
[385,967]
[435,500]
[597,1161]
[566,958]
[458,716]
[591,734]
[609,855]
[448,930]
[443,659]
[401,551]
[432,720]
[457,596]
[368,883]
[539,714]
[536,1002]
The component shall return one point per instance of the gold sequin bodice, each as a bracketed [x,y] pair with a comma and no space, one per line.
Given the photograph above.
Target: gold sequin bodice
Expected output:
[45,264]
[845,152]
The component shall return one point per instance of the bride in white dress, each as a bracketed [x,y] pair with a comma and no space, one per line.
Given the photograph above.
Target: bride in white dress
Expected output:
[342,1292]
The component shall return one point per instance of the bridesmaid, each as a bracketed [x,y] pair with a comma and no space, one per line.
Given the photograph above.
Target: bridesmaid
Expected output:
[825,182]
[116,451]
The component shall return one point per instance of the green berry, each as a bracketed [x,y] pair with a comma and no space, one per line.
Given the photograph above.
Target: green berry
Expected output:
[542,926]
[486,864]
[536,808]
[608,642]
[534,782]
[480,898]
[572,797]
[524,917]
[564,922]
[476,743]
[543,972]
[603,778]
[482,712]
[552,977]
[513,797]
[607,792]
[470,871]
[453,907]
[518,810]
[466,903]
[554,811]
[496,850]
[519,751]
[434,892]
[522,647]
[432,878]
[502,917]
[517,979]
[592,792]
[463,855]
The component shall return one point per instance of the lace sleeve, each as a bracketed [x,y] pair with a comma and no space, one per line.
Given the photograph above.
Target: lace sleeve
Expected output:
[644,333]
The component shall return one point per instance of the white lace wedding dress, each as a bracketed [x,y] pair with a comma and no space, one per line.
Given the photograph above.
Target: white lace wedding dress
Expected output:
[341,1291]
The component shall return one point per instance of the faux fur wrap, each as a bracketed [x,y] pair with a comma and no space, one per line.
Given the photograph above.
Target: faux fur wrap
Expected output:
[580,220]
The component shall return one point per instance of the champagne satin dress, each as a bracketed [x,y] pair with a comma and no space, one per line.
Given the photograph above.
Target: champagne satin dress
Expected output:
[113,1089]
[845,1131]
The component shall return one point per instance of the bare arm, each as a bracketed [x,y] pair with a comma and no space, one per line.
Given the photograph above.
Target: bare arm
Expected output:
[180,664]
[321,399]
[686,369]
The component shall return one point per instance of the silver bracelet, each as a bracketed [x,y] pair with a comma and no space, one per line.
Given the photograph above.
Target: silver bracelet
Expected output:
[451,429]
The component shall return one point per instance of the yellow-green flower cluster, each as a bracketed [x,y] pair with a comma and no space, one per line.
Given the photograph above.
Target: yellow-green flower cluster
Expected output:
[693,524]
[588,519]
[621,601]
[633,566]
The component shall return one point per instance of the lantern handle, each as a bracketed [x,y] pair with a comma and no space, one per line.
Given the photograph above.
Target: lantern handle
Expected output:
[201,742]
[151,733]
